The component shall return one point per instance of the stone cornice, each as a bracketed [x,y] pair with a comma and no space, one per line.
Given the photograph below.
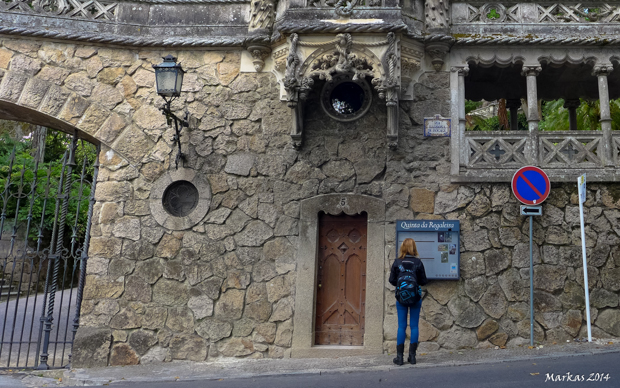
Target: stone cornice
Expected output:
[133,41]
[568,41]
[290,27]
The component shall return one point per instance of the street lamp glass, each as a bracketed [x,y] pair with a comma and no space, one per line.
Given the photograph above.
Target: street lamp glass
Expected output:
[169,77]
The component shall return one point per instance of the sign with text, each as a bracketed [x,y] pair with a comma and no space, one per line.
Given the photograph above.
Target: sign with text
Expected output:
[581,188]
[438,243]
[437,126]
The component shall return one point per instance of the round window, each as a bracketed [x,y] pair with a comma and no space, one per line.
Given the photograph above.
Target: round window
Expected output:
[344,99]
[180,198]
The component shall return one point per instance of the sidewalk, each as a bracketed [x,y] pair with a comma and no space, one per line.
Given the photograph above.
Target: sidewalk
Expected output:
[245,368]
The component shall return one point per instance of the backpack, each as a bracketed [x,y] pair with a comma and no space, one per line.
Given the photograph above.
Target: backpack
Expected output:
[407,289]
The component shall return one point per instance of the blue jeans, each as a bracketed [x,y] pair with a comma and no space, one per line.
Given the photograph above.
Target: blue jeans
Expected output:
[402,322]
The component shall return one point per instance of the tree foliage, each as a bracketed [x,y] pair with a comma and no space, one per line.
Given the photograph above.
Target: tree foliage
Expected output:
[554,117]
[25,186]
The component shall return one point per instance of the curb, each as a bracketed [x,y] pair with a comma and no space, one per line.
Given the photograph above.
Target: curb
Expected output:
[71,378]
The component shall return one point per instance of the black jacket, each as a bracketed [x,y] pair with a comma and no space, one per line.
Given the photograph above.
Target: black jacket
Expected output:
[418,267]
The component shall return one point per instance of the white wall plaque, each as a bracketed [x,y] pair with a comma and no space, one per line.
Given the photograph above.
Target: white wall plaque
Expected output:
[437,126]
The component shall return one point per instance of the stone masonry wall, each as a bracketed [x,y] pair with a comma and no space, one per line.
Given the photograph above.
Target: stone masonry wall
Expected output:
[226,287]
[489,305]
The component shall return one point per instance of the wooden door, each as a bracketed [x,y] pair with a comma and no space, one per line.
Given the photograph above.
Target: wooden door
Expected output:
[341,280]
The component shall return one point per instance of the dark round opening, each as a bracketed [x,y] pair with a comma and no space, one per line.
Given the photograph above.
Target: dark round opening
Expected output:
[347,98]
[180,198]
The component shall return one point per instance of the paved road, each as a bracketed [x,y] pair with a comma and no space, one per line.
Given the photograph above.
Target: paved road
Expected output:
[20,319]
[530,374]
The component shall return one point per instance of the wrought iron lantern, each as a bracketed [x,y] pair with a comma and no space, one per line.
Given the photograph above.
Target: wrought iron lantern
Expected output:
[169,78]
[169,81]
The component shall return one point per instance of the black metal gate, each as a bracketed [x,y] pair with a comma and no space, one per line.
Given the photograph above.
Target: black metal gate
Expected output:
[46,212]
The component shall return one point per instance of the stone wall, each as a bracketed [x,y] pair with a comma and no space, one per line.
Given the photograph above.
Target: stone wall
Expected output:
[226,286]
[489,305]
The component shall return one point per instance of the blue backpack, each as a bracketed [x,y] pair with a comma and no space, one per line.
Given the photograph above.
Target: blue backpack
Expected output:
[407,289]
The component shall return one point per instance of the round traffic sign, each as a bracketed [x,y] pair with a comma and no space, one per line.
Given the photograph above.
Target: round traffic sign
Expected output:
[531,185]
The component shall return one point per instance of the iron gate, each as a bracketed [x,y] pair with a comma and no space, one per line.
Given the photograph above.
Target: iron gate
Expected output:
[44,234]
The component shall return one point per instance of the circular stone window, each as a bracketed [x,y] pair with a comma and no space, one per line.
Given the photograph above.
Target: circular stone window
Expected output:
[180,199]
[344,99]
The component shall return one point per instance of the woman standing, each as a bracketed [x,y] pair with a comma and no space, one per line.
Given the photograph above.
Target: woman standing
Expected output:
[407,265]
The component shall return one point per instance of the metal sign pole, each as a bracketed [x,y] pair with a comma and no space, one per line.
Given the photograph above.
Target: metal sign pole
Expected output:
[531,286]
[582,198]
[531,186]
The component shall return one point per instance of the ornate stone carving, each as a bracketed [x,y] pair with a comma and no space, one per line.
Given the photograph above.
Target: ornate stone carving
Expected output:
[262,14]
[290,77]
[578,13]
[437,51]
[359,65]
[408,66]
[259,54]
[603,70]
[388,88]
[437,14]
[493,13]
[342,61]
[531,71]
[342,8]
[84,9]
[279,59]
[295,89]
[461,70]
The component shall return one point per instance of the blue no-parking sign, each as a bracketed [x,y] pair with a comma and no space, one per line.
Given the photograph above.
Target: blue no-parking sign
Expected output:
[531,185]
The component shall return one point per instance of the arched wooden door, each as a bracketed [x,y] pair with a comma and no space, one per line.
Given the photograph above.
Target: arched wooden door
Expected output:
[341,281]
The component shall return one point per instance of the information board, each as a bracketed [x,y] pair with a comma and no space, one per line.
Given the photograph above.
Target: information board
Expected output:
[438,245]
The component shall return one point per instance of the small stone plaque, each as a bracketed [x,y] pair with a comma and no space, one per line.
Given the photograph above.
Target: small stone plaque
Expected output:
[437,126]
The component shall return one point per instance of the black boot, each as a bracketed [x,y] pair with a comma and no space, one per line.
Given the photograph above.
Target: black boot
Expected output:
[400,350]
[412,350]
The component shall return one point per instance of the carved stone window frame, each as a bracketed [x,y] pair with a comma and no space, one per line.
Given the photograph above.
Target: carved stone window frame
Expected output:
[329,87]
[166,219]
[307,258]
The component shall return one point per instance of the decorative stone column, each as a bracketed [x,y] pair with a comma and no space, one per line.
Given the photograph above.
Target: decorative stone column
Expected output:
[531,72]
[514,106]
[572,106]
[460,150]
[602,71]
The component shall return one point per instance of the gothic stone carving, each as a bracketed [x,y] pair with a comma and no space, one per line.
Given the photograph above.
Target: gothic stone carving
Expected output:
[259,54]
[262,15]
[343,8]
[437,14]
[88,9]
[410,63]
[298,82]
[437,51]
[578,14]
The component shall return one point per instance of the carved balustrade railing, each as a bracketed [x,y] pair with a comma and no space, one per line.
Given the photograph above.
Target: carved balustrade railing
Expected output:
[615,148]
[530,12]
[85,9]
[566,149]
[556,149]
[505,149]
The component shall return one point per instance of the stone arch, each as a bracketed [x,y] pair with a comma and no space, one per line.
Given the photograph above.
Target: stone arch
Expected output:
[489,59]
[307,249]
[25,97]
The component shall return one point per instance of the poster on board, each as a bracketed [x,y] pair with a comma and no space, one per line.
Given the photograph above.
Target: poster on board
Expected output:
[438,245]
